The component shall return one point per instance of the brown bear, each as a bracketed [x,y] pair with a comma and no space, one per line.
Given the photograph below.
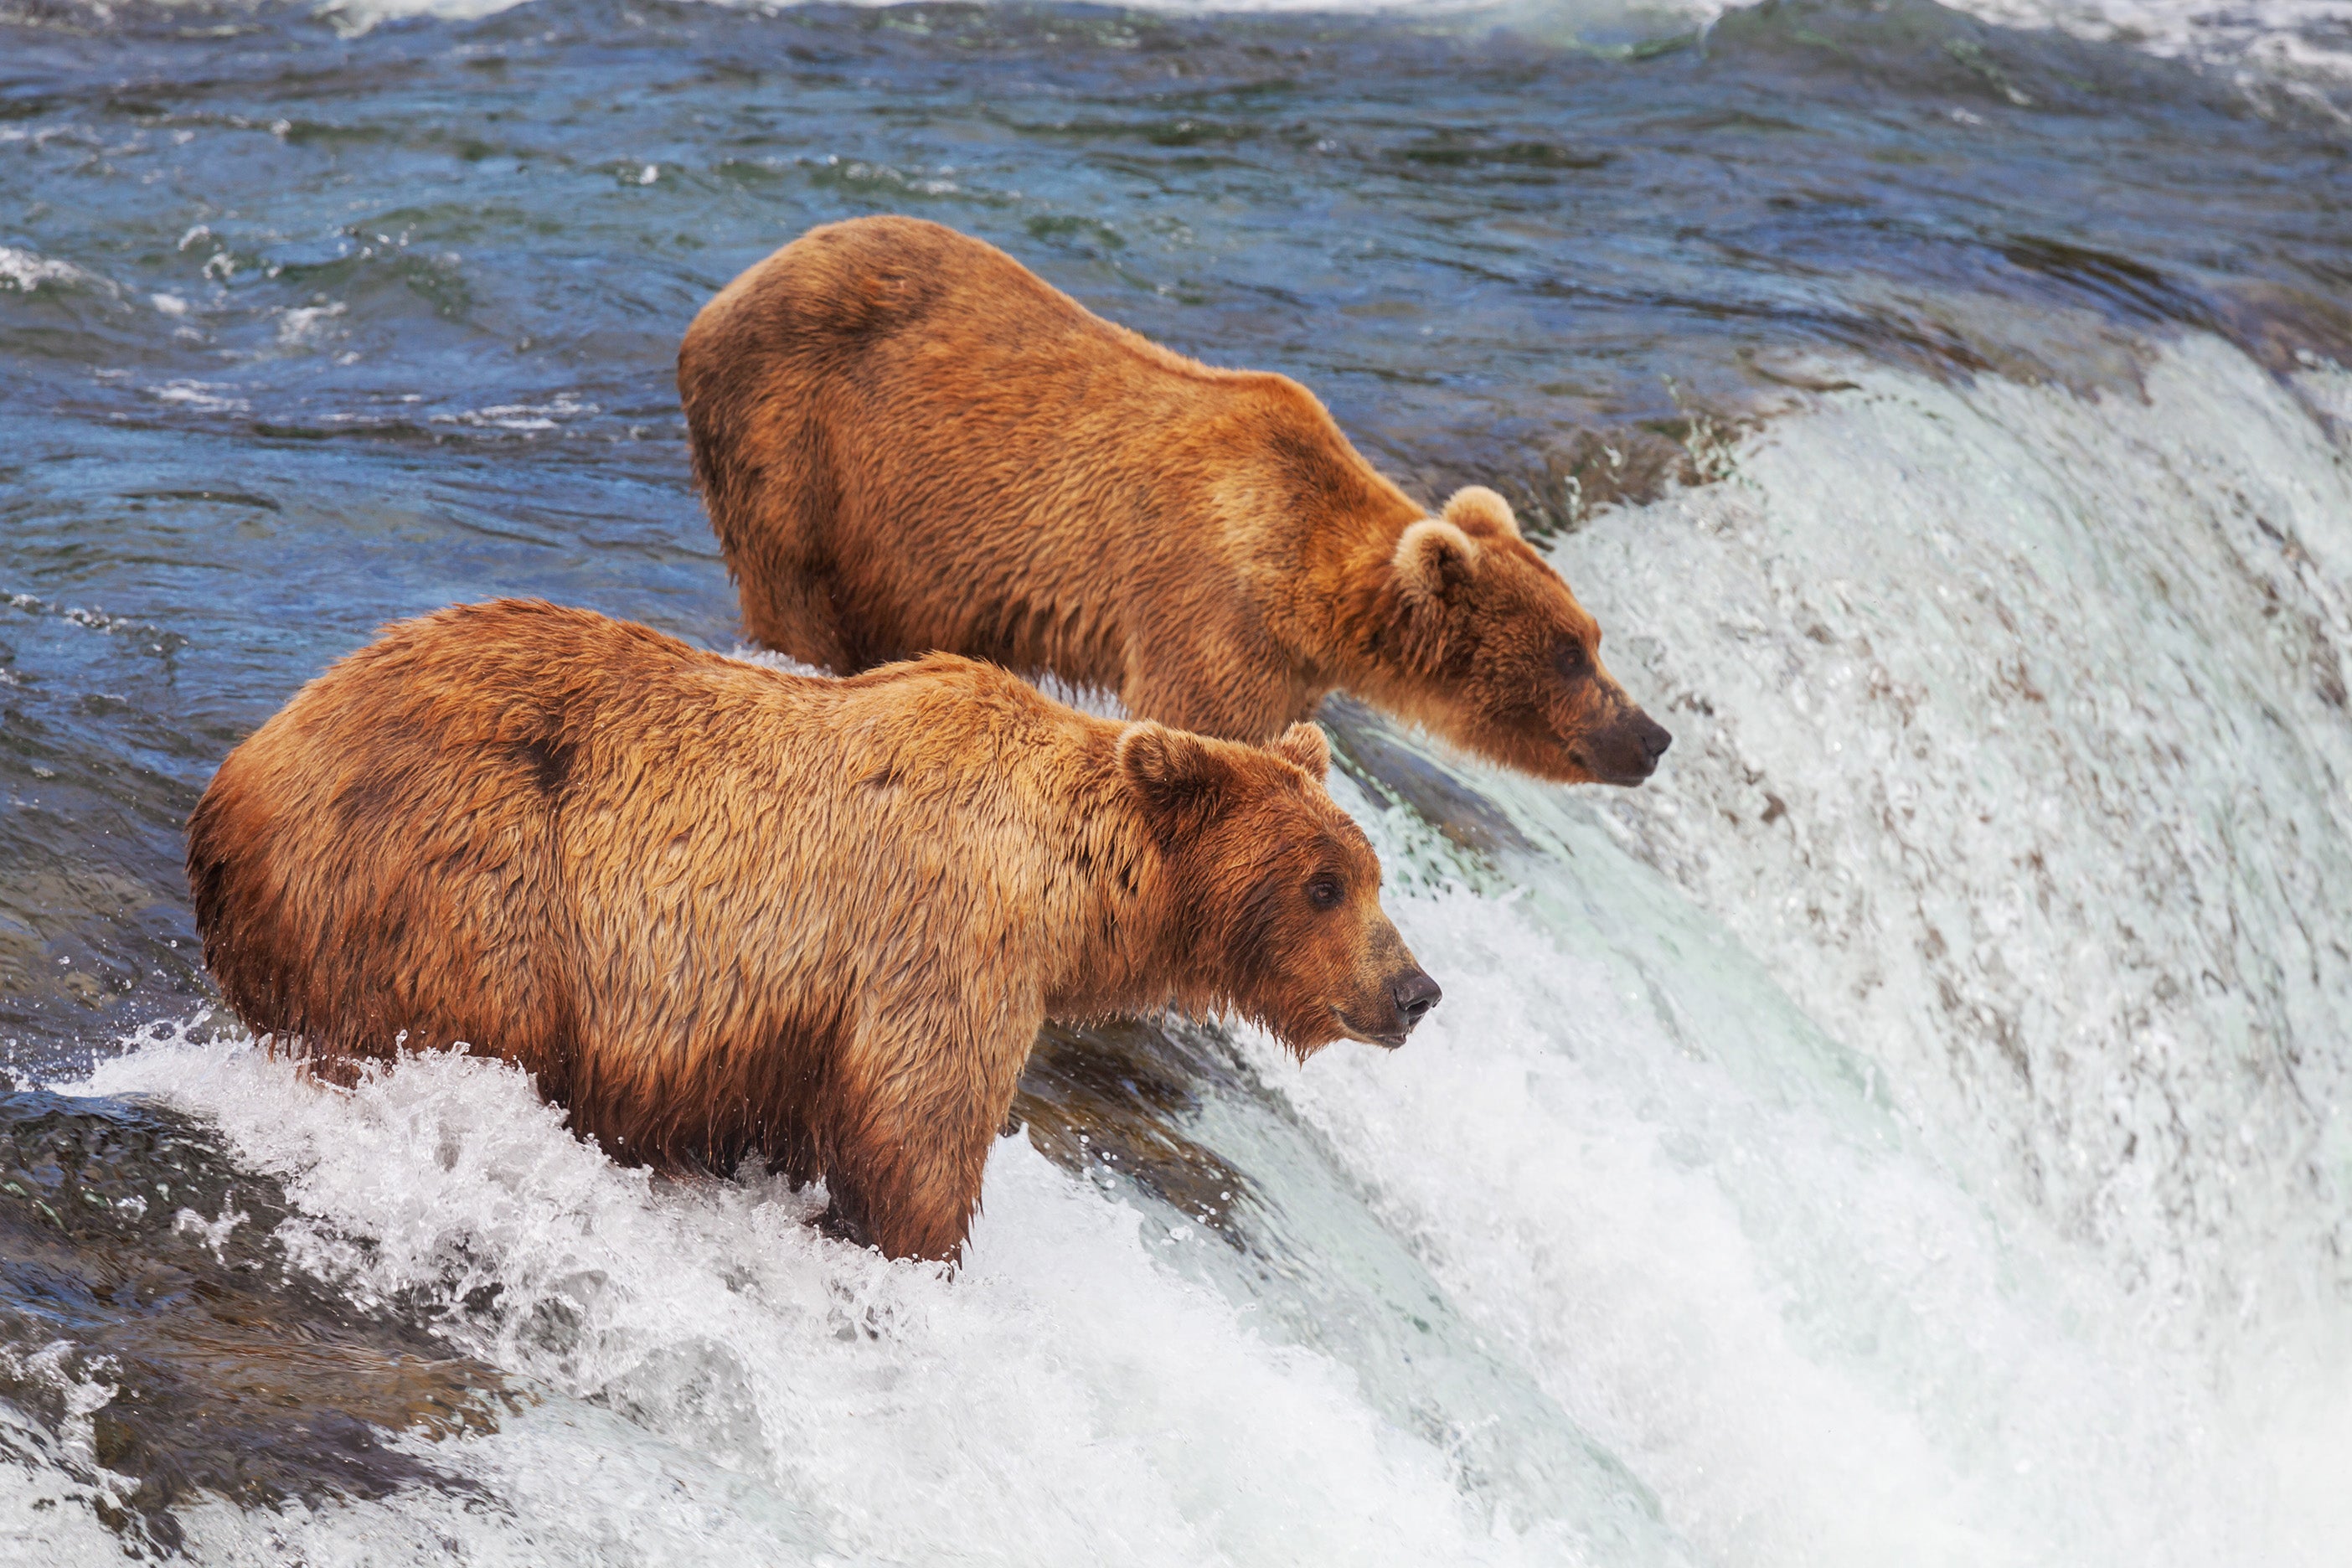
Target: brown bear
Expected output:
[907,441]
[718,909]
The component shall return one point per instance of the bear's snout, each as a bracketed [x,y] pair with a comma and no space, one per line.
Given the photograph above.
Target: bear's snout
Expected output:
[1630,751]
[1653,737]
[1414,994]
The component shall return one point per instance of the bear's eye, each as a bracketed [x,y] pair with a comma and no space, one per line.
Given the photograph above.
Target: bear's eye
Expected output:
[1324,893]
[1570,660]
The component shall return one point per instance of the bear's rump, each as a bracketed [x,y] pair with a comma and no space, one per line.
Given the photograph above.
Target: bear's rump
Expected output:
[353,887]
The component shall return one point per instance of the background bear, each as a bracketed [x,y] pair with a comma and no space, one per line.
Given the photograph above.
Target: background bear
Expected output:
[907,441]
[716,908]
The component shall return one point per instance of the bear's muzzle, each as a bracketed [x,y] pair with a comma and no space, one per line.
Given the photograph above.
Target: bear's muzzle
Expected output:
[1413,994]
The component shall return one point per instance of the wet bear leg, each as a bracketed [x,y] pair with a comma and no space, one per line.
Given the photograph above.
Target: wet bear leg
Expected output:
[789,606]
[1236,698]
[908,1139]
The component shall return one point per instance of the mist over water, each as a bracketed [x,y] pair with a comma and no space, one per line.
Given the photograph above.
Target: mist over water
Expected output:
[1908,1129]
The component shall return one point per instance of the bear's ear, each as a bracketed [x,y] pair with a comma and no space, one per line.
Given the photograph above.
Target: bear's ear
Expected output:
[1433,558]
[1304,744]
[1475,510]
[1176,774]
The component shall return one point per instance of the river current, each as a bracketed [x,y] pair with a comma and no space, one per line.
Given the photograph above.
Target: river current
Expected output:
[1909,1130]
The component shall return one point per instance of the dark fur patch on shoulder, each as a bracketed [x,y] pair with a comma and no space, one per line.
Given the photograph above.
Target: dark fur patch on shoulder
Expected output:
[548,759]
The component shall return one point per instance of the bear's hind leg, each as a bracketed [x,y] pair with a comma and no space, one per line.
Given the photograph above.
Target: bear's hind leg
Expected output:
[789,607]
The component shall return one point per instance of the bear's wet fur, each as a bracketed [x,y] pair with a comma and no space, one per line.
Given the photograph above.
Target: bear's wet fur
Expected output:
[721,909]
[907,441]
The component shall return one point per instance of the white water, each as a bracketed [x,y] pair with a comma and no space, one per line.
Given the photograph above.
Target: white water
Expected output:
[1722,1214]
[2285,42]
[2049,693]
[2052,694]
[2288,40]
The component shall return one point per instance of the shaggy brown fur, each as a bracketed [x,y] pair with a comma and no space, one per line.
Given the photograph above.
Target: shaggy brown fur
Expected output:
[719,908]
[907,441]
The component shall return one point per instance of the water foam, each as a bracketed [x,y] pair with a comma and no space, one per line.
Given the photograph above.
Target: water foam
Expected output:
[2287,39]
[2284,41]
[1974,1191]
[1636,1164]
[364,14]
[2015,738]
[1064,1398]
[26,270]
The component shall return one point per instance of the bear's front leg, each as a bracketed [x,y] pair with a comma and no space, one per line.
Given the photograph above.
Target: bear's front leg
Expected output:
[1226,687]
[911,1118]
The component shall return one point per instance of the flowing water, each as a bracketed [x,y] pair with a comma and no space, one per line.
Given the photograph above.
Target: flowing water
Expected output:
[1910,1130]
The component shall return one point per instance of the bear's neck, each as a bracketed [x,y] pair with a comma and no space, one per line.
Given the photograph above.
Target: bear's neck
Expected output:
[1117,941]
[1374,647]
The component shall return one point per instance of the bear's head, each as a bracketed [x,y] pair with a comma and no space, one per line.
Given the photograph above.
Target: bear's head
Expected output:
[1274,893]
[1502,658]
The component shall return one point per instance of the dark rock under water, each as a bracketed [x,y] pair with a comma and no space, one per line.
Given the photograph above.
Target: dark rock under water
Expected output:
[136,1257]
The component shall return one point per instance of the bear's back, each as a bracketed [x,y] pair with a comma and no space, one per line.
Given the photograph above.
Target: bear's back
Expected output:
[514,708]
[445,829]
[893,312]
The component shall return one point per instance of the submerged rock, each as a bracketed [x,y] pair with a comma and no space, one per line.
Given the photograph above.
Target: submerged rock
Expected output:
[1398,776]
[156,1342]
[1114,1096]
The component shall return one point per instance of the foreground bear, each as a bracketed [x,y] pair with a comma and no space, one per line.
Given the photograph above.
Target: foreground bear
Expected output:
[718,909]
[908,442]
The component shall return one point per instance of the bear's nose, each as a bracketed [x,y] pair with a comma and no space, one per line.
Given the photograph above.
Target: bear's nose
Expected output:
[1415,995]
[1655,737]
